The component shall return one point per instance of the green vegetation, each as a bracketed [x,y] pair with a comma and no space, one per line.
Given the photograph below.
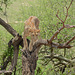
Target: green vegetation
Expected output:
[17,11]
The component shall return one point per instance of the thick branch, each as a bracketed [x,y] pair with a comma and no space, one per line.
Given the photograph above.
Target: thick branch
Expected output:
[15,42]
[15,57]
[8,28]
[45,42]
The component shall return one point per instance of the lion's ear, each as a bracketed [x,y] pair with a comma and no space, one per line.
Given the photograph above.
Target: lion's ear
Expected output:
[30,18]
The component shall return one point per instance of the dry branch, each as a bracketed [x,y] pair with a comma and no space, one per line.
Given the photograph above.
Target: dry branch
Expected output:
[58,31]
[6,72]
[46,43]
[60,58]
[66,14]
[67,11]
[62,61]
[8,27]
[55,34]
[15,42]
[69,26]
[64,26]
[70,40]
[15,57]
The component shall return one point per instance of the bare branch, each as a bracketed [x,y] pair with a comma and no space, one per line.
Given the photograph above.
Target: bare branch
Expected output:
[64,26]
[6,72]
[55,34]
[70,40]
[60,46]
[58,31]
[46,43]
[66,14]
[67,11]
[58,16]
[15,57]
[62,60]
[63,63]
[8,27]
[15,42]
[70,4]
[69,26]
[59,58]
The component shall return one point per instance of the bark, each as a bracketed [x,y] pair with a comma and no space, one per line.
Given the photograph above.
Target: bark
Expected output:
[15,57]
[29,61]
[8,27]
[6,72]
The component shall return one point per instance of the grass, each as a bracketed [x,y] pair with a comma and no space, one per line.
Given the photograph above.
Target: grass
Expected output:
[20,10]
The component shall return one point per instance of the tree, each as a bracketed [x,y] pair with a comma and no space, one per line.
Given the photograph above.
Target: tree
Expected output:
[29,60]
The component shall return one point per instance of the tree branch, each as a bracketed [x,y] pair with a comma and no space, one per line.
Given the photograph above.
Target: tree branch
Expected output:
[70,40]
[6,72]
[15,57]
[46,43]
[67,11]
[58,31]
[69,26]
[8,27]
[66,14]
[55,34]
[59,58]
[59,18]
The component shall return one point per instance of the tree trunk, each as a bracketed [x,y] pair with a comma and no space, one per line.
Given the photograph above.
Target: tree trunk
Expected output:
[29,61]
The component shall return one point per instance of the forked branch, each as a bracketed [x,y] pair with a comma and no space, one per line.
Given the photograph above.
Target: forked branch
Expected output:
[66,14]
[70,40]
[64,26]
[8,27]
[67,8]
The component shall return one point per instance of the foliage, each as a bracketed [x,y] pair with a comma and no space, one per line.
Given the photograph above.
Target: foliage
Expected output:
[7,53]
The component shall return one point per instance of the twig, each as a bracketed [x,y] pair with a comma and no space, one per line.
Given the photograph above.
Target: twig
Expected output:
[66,14]
[67,11]
[59,18]
[69,26]
[70,40]
[56,33]
[64,26]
